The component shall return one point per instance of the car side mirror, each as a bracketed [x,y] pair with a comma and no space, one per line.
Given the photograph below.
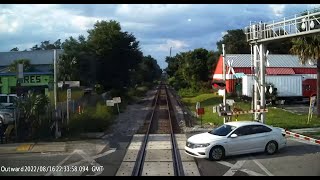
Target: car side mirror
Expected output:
[234,135]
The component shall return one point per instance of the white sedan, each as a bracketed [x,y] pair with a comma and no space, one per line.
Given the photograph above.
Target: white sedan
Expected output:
[235,138]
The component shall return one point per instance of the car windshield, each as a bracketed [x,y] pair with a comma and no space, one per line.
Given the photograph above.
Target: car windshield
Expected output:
[222,130]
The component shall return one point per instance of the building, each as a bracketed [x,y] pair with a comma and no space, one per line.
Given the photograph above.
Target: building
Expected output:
[40,79]
[278,64]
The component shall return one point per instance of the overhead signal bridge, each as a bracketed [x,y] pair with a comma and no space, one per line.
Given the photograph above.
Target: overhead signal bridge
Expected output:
[258,34]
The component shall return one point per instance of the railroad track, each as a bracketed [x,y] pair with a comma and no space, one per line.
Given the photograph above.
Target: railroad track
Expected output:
[162,125]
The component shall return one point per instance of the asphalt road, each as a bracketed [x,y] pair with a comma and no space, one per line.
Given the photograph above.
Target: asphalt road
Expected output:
[79,162]
[297,159]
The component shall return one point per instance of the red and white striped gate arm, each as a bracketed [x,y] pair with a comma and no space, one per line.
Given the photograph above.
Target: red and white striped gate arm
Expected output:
[248,112]
[299,136]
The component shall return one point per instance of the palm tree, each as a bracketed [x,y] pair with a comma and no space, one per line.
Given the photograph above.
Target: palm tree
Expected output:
[308,49]
[32,106]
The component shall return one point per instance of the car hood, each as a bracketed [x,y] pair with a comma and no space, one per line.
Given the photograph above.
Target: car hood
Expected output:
[204,138]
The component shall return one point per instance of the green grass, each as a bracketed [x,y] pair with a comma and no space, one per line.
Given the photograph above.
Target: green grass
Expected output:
[275,116]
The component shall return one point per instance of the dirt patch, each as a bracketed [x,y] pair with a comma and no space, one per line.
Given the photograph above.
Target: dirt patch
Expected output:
[128,122]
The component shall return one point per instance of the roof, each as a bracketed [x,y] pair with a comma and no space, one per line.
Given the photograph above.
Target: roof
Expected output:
[275,71]
[275,60]
[243,123]
[36,57]
[26,73]
[4,70]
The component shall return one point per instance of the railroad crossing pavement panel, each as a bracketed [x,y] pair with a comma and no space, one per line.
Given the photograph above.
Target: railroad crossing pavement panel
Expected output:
[129,159]
[158,169]
[190,167]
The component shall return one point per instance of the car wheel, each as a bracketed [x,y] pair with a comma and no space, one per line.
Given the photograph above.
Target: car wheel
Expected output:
[271,147]
[216,153]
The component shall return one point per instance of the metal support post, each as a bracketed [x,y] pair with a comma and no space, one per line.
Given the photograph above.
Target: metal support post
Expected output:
[262,81]
[224,79]
[57,133]
[256,70]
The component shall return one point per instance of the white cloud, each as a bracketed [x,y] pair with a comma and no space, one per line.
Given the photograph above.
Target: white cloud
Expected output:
[175,44]
[277,9]
[43,18]
[314,6]
[149,12]
[157,26]
[137,25]
[8,26]
[82,22]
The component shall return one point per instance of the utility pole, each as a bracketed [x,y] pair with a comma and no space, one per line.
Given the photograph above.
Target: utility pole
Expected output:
[224,80]
[55,91]
[170,51]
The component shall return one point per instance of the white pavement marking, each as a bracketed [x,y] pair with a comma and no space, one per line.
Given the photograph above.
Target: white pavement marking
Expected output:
[235,168]
[251,173]
[63,161]
[225,163]
[262,167]
[86,158]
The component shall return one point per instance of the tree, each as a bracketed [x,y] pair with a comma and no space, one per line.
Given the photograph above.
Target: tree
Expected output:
[26,65]
[308,49]
[57,44]
[46,45]
[15,49]
[35,48]
[66,67]
[192,69]
[109,57]
[147,71]
[32,106]
[279,47]
[116,52]
[85,68]
[235,41]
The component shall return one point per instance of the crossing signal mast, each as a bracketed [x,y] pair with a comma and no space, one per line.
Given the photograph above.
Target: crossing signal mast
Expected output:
[258,34]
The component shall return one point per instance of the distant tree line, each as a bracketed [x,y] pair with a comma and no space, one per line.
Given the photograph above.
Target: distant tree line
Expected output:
[108,56]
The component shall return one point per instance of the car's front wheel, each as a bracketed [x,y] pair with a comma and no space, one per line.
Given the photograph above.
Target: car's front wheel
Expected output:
[271,147]
[216,153]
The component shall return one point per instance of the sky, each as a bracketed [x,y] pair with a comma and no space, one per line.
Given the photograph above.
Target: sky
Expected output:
[157,27]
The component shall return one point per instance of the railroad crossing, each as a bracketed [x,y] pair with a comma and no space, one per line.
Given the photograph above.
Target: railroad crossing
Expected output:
[259,34]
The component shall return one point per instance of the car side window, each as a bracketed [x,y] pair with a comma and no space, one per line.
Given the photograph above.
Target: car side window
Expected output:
[259,129]
[242,131]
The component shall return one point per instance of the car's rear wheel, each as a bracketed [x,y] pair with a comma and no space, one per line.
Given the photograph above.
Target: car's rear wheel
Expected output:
[271,147]
[216,153]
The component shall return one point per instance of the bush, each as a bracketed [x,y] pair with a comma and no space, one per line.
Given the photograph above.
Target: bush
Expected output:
[94,119]
[42,131]
[137,92]
[98,88]
[200,88]
[116,92]
[187,92]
